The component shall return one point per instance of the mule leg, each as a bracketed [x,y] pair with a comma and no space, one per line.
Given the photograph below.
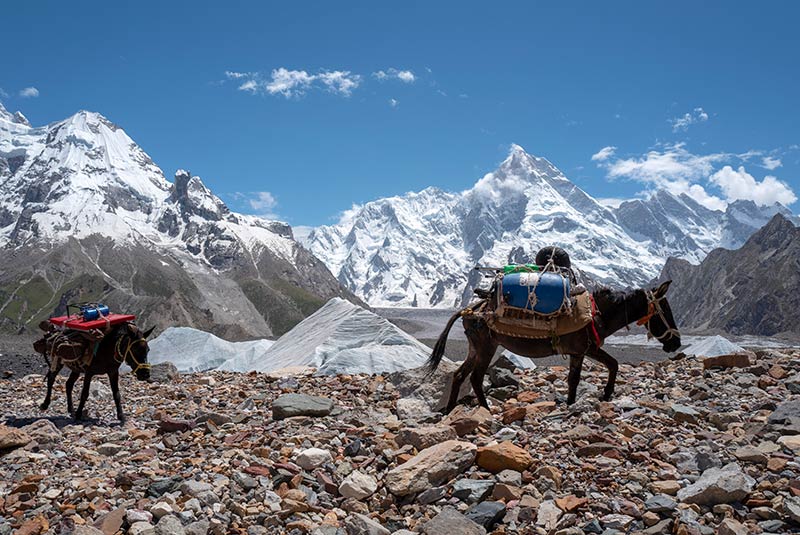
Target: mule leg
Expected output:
[87,381]
[113,379]
[611,363]
[73,376]
[51,378]
[575,365]
[458,379]
[483,361]
[485,349]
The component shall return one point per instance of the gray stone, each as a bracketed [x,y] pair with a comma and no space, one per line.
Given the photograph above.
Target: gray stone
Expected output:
[548,515]
[729,526]
[358,485]
[109,449]
[510,477]
[313,458]
[192,487]
[200,527]
[43,431]
[358,524]
[169,525]
[85,530]
[487,514]
[432,495]
[500,377]
[431,467]
[415,410]
[791,508]
[718,485]
[660,503]
[289,405]
[451,521]
[684,414]
[472,490]
[141,528]
[665,526]
[164,372]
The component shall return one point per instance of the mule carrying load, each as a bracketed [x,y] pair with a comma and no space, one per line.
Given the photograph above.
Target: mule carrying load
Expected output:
[537,310]
[92,341]
[541,300]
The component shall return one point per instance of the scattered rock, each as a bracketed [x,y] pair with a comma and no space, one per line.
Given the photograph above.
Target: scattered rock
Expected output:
[502,456]
[718,485]
[289,405]
[358,485]
[451,521]
[431,467]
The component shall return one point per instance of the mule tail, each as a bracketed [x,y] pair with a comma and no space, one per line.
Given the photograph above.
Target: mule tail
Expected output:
[438,349]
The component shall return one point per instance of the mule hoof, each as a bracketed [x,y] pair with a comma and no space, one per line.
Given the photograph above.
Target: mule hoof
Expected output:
[44,406]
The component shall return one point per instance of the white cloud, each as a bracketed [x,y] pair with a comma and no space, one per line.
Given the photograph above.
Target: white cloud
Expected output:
[263,203]
[604,154]
[658,167]
[340,82]
[237,75]
[611,202]
[249,85]
[739,184]
[392,73]
[3,94]
[771,163]
[29,92]
[681,124]
[393,102]
[289,83]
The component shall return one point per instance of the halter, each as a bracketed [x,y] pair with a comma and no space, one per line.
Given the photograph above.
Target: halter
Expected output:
[654,309]
[128,353]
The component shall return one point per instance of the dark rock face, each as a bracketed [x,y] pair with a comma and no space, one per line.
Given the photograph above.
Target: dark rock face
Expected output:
[752,290]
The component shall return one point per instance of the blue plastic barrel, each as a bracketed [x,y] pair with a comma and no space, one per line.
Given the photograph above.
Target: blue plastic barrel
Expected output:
[93,313]
[549,291]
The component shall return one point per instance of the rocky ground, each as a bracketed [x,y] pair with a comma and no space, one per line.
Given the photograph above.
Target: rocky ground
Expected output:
[684,447]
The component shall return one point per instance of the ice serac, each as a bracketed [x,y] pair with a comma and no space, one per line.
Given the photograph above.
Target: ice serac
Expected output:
[192,350]
[342,337]
[419,249]
[86,214]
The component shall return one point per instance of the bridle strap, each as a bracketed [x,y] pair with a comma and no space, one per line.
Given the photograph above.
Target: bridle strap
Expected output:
[124,356]
[654,309]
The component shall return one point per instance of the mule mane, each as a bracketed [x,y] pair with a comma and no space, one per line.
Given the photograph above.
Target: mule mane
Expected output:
[615,297]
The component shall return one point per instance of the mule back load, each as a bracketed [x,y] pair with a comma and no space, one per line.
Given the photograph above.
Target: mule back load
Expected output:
[541,300]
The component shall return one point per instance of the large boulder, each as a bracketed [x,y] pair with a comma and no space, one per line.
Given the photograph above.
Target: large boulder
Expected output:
[431,467]
[11,438]
[718,485]
[289,405]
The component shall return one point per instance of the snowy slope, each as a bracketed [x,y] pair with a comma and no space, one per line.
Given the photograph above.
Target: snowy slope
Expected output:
[93,216]
[419,249]
[341,338]
[193,350]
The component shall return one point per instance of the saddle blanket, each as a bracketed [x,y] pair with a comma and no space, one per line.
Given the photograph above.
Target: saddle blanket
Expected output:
[523,323]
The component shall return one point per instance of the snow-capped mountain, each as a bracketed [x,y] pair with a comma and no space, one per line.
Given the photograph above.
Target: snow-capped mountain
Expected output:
[419,249]
[83,187]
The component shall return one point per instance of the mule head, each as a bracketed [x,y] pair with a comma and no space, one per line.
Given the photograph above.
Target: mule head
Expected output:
[661,324]
[135,350]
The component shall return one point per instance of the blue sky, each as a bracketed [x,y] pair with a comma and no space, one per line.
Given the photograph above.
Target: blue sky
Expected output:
[693,96]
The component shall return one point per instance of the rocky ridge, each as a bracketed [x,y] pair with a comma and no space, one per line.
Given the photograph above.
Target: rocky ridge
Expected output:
[683,448]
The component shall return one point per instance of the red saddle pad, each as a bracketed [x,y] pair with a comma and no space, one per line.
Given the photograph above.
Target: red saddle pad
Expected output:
[76,322]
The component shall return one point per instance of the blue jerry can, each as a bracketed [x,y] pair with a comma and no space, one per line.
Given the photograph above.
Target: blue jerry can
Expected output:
[544,293]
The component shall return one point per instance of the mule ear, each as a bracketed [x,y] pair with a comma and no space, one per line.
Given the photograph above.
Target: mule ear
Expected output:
[148,331]
[661,291]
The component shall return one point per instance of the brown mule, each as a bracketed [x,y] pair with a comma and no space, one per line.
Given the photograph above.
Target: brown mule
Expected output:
[123,343]
[615,310]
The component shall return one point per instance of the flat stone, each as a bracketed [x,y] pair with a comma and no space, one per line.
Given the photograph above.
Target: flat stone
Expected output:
[312,458]
[465,421]
[790,441]
[684,414]
[451,521]
[750,454]
[791,508]
[11,438]
[192,487]
[735,360]
[289,405]
[432,495]
[43,431]
[358,485]
[502,456]
[425,437]
[729,526]
[415,410]
[431,467]
[109,449]
[486,514]
[169,525]
[670,487]
[141,528]
[660,503]
[472,490]
[548,515]
[358,524]
[718,485]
